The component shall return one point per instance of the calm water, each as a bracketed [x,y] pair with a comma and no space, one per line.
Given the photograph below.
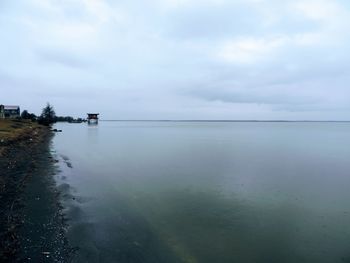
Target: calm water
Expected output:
[206,192]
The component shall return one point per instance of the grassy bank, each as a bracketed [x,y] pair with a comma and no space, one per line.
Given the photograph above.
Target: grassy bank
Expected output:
[12,129]
[19,131]
[26,176]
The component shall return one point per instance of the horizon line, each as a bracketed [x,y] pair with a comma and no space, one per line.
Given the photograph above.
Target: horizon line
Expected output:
[194,120]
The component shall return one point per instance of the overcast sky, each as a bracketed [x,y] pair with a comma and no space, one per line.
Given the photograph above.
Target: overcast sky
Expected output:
[178,59]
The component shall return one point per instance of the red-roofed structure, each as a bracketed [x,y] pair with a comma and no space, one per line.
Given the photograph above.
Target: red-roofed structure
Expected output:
[92,118]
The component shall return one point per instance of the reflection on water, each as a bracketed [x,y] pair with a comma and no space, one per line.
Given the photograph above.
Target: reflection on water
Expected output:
[207,192]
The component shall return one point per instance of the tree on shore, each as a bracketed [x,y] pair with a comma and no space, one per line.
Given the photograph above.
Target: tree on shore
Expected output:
[48,115]
[25,114]
[28,116]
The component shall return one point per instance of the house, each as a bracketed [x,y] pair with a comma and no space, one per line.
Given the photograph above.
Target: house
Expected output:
[9,111]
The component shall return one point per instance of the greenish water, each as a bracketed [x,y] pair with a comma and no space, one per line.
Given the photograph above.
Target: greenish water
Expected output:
[206,192]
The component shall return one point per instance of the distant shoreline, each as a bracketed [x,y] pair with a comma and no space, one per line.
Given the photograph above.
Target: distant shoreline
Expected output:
[222,121]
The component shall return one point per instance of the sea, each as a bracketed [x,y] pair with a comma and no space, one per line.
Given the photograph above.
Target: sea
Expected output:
[198,192]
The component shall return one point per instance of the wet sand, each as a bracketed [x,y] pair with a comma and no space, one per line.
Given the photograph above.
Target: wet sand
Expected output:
[32,227]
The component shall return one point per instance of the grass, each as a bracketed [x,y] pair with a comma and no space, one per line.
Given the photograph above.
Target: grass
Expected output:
[12,129]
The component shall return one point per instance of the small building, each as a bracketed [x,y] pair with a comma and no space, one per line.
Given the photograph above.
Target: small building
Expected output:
[92,118]
[7,111]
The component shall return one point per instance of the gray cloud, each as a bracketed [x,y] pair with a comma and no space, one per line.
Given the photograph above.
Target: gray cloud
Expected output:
[254,96]
[62,58]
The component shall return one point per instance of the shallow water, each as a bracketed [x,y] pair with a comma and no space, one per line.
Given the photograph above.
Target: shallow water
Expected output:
[206,192]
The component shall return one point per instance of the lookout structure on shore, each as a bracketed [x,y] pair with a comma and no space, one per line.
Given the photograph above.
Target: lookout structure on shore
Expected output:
[93,118]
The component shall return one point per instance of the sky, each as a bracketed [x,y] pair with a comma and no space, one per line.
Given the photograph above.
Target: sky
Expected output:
[178,59]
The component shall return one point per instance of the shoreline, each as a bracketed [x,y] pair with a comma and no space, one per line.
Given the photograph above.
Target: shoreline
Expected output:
[32,226]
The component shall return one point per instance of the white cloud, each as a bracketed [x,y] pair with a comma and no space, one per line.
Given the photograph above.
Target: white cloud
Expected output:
[250,50]
[174,4]
[323,10]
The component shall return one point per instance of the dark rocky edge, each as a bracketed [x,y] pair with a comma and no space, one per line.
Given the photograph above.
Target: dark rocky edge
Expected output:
[32,225]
